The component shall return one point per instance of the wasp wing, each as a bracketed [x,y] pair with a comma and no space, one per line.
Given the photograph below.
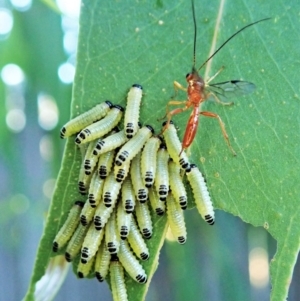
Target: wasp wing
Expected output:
[232,88]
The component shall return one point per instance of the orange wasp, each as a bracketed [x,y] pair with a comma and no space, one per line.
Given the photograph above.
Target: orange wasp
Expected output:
[198,91]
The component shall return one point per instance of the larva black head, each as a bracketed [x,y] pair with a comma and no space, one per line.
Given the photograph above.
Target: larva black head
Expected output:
[79,203]
[150,128]
[137,86]
[119,108]
[109,103]
[139,124]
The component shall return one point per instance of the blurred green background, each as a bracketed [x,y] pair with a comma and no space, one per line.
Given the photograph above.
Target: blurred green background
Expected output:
[37,63]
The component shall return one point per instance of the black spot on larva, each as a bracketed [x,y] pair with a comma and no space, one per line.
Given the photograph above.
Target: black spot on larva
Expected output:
[144,256]
[181,239]
[55,246]
[137,86]
[99,277]
[68,257]
[80,275]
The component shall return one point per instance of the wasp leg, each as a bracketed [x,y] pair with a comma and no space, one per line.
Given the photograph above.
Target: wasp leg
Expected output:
[222,125]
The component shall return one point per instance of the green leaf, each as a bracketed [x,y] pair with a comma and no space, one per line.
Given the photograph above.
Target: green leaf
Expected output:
[149,43]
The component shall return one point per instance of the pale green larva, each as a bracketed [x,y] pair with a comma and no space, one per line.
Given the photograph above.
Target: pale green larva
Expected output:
[176,219]
[84,269]
[161,180]
[144,220]
[90,161]
[112,236]
[87,214]
[157,205]
[131,263]
[101,127]
[102,214]
[201,194]
[91,243]
[75,243]
[140,190]
[128,197]
[174,146]
[66,231]
[176,185]
[111,190]
[117,280]
[109,143]
[137,242]
[95,191]
[78,123]
[123,221]
[132,113]
[148,161]
[130,149]
[105,164]
[102,262]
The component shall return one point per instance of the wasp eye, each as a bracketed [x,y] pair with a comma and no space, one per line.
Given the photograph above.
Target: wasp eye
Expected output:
[188,75]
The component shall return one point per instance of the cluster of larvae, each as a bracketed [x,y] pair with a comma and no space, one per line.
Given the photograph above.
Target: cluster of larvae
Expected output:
[126,173]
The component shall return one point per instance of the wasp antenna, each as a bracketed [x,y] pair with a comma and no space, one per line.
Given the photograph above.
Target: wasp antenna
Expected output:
[265,19]
[195,33]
